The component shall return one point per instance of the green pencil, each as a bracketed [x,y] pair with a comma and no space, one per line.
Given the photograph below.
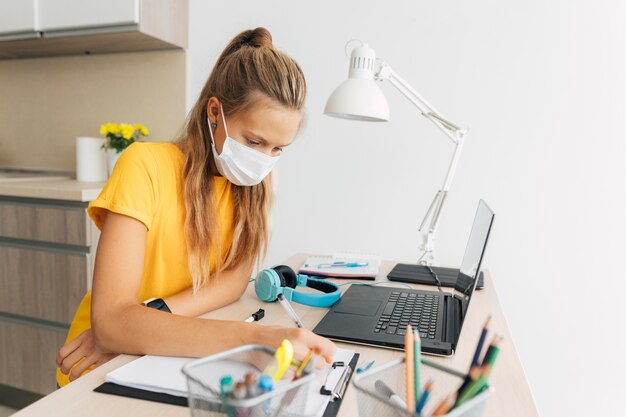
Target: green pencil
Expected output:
[471,390]
[417,364]
[479,384]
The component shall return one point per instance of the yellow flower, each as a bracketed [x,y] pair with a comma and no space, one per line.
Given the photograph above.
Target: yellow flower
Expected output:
[141,128]
[107,128]
[127,131]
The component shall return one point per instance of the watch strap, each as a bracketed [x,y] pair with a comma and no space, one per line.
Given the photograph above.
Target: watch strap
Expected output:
[157,304]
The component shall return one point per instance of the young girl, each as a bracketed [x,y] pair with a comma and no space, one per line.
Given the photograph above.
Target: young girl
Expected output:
[186,222]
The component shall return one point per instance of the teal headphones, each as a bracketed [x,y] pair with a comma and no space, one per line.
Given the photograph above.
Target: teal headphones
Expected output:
[283,280]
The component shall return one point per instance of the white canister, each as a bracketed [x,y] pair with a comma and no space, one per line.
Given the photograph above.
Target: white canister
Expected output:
[91,163]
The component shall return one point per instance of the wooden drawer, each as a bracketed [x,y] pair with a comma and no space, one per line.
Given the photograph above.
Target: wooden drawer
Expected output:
[43,284]
[45,221]
[27,356]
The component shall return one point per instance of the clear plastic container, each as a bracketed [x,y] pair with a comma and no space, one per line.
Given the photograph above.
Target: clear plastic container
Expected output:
[288,398]
[373,403]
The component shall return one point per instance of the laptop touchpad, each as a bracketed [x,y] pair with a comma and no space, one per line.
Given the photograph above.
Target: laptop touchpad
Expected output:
[357,307]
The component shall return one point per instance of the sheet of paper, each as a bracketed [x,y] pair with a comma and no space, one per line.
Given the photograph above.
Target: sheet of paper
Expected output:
[153,373]
[163,374]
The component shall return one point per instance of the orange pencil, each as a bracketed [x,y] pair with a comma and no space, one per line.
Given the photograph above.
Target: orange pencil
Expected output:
[445,405]
[409,370]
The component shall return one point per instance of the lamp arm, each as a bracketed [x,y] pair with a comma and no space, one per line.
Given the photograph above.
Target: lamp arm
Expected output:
[455,133]
[434,212]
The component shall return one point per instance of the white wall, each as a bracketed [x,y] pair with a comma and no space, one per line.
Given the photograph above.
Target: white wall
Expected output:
[541,85]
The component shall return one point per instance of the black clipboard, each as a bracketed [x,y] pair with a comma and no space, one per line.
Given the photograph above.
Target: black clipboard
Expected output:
[333,407]
[140,394]
[110,388]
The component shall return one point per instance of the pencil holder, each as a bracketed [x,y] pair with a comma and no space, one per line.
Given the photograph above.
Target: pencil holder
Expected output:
[373,403]
[299,398]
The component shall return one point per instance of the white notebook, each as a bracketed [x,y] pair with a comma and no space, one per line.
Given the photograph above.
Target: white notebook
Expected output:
[163,374]
[342,265]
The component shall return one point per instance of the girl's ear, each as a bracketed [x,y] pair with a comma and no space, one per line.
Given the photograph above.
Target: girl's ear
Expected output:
[213,109]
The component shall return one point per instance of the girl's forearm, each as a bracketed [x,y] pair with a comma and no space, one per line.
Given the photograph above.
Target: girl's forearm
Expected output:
[135,329]
[219,292]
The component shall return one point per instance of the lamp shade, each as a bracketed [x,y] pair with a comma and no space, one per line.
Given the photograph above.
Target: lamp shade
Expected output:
[359,97]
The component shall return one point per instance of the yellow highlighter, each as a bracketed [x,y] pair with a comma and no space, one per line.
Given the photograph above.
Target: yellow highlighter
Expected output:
[282,361]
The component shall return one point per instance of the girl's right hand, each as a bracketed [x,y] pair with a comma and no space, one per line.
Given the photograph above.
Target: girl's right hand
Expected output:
[81,354]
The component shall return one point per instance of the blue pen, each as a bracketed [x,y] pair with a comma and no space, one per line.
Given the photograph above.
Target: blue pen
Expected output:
[365,367]
[343,265]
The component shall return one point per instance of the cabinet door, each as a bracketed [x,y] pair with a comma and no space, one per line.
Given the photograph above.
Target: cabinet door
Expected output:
[34,220]
[17,16]
[42,284]
[82,14]
[27,356]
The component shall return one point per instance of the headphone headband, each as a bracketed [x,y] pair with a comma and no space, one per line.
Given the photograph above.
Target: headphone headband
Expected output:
[283,280]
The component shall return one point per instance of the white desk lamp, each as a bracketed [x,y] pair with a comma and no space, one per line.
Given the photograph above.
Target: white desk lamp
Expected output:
[359,98]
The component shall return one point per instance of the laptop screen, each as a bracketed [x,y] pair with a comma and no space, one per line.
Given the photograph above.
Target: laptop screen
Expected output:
[474,251]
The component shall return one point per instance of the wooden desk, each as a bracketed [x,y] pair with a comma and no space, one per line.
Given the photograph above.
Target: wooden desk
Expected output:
[512,396]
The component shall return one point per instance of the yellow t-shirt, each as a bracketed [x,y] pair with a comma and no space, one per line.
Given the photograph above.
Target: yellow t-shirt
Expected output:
[147,184]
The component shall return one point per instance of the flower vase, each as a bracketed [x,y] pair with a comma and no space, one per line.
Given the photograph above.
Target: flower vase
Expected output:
[112,157]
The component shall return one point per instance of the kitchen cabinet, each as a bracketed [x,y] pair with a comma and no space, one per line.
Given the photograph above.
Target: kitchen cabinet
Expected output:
[54,16]
[18,19]
[47,248]
[78,27]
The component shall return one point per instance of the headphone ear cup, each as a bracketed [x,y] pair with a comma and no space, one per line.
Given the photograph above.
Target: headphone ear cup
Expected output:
[267,285]
[287,276]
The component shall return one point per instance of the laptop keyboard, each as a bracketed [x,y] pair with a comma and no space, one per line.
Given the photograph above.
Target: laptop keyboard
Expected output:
[403,308]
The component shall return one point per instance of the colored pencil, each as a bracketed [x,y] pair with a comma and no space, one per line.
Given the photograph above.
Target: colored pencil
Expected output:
[445,405]
[490,357]
[410,369]
[480,383]
[417,364]
[306,359]
[424,397]
[476,366]
[471,390]
[481,342]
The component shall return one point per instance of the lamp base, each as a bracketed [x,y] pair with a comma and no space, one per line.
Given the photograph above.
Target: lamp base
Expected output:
[419,274]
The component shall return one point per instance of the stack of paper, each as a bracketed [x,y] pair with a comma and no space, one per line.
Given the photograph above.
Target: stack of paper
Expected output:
[342,265]
[163,374]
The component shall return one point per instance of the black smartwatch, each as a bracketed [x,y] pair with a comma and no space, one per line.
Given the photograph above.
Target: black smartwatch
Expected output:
[157,304]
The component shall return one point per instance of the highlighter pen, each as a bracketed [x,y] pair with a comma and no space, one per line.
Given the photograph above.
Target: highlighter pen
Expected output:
[387,392]
[226,385]
[290,311]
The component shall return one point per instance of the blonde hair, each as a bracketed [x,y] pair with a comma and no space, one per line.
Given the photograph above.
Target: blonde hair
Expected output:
[248,70]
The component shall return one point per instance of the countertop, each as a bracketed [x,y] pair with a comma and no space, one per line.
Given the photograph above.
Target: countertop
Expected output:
[56,189]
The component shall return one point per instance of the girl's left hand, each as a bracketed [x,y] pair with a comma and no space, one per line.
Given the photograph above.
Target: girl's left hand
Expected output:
[81,354]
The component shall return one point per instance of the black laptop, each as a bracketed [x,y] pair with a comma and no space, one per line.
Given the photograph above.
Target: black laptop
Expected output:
[376,315]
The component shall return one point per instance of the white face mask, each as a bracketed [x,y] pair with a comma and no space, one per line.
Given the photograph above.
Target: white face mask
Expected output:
[239,163]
